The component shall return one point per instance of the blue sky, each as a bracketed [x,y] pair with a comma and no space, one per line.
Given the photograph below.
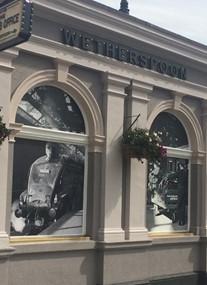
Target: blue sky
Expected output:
[187,18]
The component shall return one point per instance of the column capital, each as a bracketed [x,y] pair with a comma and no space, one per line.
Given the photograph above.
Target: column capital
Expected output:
[15,129]
[6,58]
[115,84]
[139,90]
[177,99]
[62,69]
[198,157]
[96,143]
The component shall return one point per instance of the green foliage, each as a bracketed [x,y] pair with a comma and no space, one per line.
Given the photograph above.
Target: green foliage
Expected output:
[145,144]
[4,132]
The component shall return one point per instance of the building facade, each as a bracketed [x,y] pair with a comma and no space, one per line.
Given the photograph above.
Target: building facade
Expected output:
[73,209]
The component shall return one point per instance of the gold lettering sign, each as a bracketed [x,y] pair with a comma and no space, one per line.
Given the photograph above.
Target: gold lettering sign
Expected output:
[15,23]
[10,21]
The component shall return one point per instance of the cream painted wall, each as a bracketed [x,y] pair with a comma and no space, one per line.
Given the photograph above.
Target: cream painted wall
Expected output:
[117,248]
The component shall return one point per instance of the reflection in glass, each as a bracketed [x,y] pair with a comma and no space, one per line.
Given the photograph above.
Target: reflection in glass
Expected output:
[170,130]
[167,195]
[52,108]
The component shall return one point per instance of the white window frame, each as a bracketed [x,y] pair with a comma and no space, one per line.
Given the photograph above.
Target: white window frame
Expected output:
[185,154]
[65,137]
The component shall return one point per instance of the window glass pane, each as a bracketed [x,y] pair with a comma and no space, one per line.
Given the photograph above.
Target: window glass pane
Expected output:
[167,196]
[52,108]
[47,194]
[170,130]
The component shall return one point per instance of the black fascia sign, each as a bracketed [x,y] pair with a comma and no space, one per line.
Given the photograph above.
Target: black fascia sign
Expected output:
[15,22]
[122,53]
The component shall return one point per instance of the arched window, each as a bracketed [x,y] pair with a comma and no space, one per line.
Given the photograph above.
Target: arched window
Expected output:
[167,191]
[52,108]
[49,173]
[170,130]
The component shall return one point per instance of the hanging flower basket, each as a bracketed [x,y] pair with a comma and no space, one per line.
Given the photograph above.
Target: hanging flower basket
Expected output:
[141,144]
[129,151]
[4,132]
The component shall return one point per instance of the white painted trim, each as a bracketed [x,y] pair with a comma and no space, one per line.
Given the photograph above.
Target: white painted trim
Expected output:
[73,86]
[73,55]
[101,19]
[85,193]
[94,138]
[178,152]
[187,118]
[42,134]
[196,151]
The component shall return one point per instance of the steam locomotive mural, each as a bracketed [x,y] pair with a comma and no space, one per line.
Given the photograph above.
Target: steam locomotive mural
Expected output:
[48,177]
[54,188]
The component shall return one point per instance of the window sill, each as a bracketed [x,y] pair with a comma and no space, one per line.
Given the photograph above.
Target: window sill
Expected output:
[174,238]
[27,245]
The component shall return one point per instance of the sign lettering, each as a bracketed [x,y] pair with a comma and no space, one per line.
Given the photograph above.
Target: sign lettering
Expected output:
[115,51]
[15,22]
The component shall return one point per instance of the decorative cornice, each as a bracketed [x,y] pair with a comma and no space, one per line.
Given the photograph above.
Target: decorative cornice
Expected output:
[122,26]
[6,58]
[139,91]
[114,85]
[48,48]
[15,129]
[177,99]
[82,95]
[62,69]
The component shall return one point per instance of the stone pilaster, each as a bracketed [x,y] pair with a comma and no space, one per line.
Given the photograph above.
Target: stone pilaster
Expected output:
[6,69]
[111,195]
[6,250]
[136,172]
[202,182]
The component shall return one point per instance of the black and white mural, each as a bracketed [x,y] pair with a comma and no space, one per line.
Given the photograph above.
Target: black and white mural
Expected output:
[48,176]
[167,196]
[167,187]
